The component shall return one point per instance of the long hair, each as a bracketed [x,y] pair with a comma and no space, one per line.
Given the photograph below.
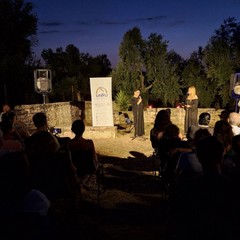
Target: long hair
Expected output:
[192,93]
[162,120]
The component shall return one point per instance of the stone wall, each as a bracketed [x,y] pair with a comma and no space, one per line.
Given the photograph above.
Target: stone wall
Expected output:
[62,114]
[178,115]
[59,115]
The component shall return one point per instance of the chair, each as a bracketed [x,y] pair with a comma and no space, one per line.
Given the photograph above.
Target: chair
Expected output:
[84,163]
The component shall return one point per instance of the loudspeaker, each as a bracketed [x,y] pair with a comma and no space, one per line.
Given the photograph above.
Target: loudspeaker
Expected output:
[43,81]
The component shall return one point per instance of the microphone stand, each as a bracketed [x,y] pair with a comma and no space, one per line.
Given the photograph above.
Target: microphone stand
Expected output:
[186,119]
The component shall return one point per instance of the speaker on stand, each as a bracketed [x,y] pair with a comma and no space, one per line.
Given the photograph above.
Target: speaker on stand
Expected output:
[43,82]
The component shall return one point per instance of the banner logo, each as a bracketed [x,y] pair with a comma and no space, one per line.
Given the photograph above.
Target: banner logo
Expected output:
[101,92]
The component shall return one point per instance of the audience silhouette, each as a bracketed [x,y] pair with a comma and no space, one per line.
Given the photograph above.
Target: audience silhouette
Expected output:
[83,155]
[162,120]
[51,170]
[202,208]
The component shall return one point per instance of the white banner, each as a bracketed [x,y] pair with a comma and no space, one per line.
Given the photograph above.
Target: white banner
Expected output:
[101,93]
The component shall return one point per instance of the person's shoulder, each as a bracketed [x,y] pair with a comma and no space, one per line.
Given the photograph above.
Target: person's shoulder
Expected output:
[82,143]
[89,142]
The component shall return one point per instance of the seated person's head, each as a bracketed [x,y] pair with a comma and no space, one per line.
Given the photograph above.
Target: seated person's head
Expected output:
[9,116]
[162,119]
[40,120]
[172,131]
[234,119]
[200,134]
[8,120]
[210,152]
[204,119]
[224,115]
[5,108]
[78,127]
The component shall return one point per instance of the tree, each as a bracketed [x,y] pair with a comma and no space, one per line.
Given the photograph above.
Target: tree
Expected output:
[161,72]
[72,70]
[194,73]
[18,26]
[146,65]
[221,57]
[128,75]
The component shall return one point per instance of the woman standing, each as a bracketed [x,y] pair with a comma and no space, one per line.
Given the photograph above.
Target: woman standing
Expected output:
[191,108]
[137,108]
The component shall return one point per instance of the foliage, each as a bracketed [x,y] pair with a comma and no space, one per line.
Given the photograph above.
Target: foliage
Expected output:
[160,71]
[18,27]
[122,100]
[71,64]
[65,90]
[131,65]
[164,76]
[194,74]
[222,58]
[145,65]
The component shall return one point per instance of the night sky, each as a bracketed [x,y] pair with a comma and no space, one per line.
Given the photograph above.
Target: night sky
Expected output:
[98,26]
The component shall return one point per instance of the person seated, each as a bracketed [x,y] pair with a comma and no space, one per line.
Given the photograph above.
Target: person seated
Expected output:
[170,147]
[40,121]
[203,123]
[125,122]
[83,155]
[11,140]
[188,165]
[234,121]
[162,120]
[223,131]
[22,130]
[224,115]
[5,108]
[20,204]
[51,169]
[19,127]
[201,208]
[231,165]
[126,118]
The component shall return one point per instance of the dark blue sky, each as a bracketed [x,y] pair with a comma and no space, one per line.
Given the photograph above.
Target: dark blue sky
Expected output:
[98,26]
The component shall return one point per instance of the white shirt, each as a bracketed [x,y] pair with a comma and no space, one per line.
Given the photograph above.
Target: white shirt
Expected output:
[236,130]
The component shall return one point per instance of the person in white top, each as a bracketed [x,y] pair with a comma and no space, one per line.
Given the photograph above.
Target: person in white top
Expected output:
[234,121]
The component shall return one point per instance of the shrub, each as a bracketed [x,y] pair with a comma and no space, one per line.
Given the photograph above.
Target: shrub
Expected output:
[122,100]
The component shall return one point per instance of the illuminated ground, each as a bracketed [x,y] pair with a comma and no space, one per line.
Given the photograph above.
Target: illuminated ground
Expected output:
[132,205]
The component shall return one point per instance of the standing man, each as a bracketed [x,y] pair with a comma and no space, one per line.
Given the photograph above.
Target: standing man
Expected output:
[137,108]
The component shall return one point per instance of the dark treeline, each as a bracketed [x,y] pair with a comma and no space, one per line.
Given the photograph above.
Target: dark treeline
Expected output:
[162,75]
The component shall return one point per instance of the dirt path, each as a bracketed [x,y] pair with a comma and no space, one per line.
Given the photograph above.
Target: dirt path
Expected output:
[123,145]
